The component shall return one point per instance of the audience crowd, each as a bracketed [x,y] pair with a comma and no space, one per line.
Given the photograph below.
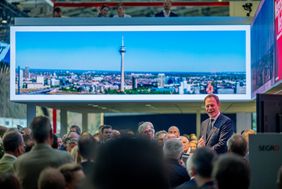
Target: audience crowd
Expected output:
[110,159]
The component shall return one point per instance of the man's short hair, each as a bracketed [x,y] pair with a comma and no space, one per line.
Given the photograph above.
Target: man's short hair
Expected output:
[212,96]
[231,172]
[105,127]
[87,146]
[41,128]
[51,178]
[202,161]
[68,171]
[11,141]
[237,144]
[173,148]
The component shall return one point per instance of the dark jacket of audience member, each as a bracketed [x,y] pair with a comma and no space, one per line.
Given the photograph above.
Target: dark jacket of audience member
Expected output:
[129,163]
[29,165]
[177,173]
[191,184]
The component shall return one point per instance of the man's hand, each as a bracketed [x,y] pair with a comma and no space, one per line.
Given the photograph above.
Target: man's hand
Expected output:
[201,143]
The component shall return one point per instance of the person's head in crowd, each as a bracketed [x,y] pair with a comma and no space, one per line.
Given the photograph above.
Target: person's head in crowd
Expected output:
[13,143]
[57,12]
[279,178]
[106,132]
[54,144]
[173,148]
[246,133]
[9,181]
[130,162]
[167,5]
[26,131]
[212,105]
[103,11]
[202,165]
[28,141]
[71,141]
[174,130]
[75,128]
[237,144]
[51,178]
[41,129]
[193,141]
[146,129]
[115,133]
[159,136]
[120,10]
[126,132]
[65,140]
[73,175]
[87,147]
[231,172]
[60,142]
[185,143]
[71,144]
[169,136]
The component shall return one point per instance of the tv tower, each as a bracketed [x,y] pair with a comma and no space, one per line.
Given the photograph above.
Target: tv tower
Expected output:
[122,52]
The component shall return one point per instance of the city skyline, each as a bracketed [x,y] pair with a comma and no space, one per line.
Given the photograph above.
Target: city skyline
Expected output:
[150,51]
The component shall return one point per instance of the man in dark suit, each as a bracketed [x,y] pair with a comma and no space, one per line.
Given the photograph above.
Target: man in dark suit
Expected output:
[28,166]
[166,12]
[217,129]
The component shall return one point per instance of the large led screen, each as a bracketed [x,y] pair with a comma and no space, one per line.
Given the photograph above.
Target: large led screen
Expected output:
[278,29]
[263,61]
[129,63]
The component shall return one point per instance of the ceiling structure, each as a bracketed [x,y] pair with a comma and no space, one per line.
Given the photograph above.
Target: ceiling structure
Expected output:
[150,107]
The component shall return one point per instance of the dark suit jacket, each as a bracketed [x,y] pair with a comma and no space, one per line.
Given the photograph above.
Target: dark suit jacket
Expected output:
[161,14]
[29,165]
[87,167]
[217,138]
[191,184]
[176,172]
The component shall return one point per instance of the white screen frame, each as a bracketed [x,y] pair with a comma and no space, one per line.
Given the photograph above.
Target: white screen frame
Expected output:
[128,98]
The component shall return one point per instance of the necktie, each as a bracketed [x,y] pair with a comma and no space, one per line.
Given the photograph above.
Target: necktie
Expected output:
[209,127]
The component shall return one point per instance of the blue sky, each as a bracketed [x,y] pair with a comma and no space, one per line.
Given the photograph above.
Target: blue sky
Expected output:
[161,51]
